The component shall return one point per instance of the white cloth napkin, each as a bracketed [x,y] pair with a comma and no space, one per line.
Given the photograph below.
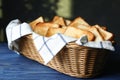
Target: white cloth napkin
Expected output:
[47,47]
[101,44]
[14,31]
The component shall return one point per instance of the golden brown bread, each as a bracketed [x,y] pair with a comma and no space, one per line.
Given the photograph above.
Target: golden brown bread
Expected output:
[106,35]
[76,28]
[84,27]
[78,21]
[42,28]
[67,22]
[36,21]
[104,28]
[77,33]
[59,20]
[53,30]
[98,36]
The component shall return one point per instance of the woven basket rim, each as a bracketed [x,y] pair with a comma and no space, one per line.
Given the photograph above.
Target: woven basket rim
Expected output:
[76,45]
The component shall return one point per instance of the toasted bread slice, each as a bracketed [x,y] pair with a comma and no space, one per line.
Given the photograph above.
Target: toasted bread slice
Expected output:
[36,21]
[98,36]
[67,22]
[48,24]
[42,28]
[77,33]
[53,30]
[84,27]
[78,21]
[106,35]
[104,28]
[58,20]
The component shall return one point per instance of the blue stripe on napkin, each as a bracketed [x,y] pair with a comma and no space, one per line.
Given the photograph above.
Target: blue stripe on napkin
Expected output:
[36,37]
[62,38]
[45,43]
[101,44]
[20,30]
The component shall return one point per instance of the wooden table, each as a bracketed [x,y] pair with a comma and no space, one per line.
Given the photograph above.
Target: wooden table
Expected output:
[18,67]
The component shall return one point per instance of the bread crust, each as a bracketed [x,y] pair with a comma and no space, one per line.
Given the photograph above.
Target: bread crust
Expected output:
[77,33]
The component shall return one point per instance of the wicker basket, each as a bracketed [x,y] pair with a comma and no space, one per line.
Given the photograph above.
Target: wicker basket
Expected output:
[73,60]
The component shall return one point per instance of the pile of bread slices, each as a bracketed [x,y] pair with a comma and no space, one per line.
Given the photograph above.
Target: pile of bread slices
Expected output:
[76,28]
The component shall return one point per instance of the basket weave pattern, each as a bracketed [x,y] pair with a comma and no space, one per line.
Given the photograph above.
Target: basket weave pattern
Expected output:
[73,60]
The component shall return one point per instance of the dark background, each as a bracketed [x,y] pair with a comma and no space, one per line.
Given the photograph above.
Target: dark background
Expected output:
[102,12]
